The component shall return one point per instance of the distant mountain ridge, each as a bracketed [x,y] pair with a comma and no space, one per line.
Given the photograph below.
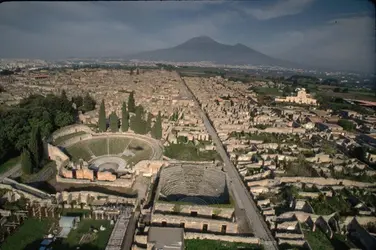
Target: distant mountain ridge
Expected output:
[204,48]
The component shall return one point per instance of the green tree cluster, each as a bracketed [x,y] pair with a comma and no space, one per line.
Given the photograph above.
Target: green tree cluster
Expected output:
[174,116]
[88,104]
[346,125]
[48,113]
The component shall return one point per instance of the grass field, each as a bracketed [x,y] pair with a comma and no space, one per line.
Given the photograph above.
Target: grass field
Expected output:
[28,236]
[218,245]
[267,91]
[117,145]
[66,137]
[98,146]
[78,151]
[189,152]
[141,155]
[99,239]
[9,164]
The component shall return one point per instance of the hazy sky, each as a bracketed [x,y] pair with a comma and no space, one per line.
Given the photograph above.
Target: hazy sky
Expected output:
[337,33]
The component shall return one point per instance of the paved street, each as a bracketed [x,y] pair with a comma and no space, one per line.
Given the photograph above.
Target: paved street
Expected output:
[242,197]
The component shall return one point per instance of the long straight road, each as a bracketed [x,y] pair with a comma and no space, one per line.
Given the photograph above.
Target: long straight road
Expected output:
[242,197]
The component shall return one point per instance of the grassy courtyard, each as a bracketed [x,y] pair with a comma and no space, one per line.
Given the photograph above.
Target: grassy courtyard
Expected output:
[91,240]
[218,245]
[189,152]
[28,236]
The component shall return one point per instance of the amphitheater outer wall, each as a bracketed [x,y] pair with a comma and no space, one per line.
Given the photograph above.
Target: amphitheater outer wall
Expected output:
[201,210]
[154,144]
[70,130]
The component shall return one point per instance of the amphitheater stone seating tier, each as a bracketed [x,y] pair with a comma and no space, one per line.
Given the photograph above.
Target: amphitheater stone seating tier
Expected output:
[131,148]
[197,184]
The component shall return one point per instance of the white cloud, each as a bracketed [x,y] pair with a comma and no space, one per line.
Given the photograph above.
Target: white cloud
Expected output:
[347,43]
[279,9]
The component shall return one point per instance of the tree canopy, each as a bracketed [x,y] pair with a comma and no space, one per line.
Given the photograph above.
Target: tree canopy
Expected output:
[46,112]
[114,122]
[124,118]
[131,103]
[102,123]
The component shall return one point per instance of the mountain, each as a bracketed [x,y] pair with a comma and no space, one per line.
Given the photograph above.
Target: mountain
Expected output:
[204,48]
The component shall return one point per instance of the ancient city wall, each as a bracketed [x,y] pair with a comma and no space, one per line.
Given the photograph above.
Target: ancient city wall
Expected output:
[203,236]
[201,210]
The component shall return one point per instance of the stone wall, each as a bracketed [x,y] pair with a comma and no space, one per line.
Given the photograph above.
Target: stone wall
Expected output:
[86,197]
[326,181]
[126,183]
[194,223]
[75,139]
[203,236]
[319,181]
[70,130]
[201,210]
[55,154]
[106,176]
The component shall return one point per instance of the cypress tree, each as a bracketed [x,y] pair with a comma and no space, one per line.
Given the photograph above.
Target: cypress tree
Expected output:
[26,162]
[131,103]
[124,118]
[102,123]
[114,122]
[36,147]
[148,123]
[156,131]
